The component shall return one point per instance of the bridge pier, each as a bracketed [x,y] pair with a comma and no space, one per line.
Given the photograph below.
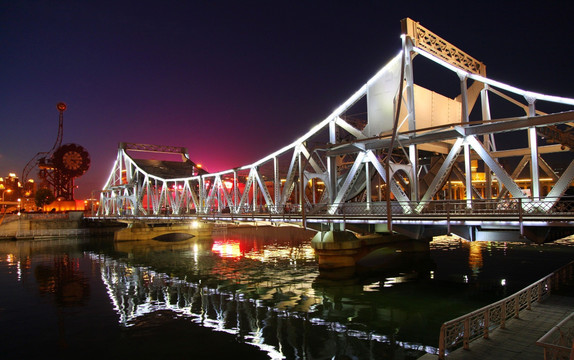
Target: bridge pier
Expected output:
[340,249]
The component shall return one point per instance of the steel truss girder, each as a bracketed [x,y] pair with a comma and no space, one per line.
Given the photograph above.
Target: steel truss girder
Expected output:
[128,193]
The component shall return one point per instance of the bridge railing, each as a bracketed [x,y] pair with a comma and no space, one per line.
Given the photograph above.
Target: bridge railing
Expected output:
[479,323]
[513,208]
[475,207]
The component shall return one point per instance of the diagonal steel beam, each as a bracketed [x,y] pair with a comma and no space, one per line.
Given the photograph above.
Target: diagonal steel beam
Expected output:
[441,175]
[500,173]
[562,184]
[349,180]
[395,189]
[263,188]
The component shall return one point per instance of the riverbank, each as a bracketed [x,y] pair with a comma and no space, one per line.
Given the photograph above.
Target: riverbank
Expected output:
[28,226]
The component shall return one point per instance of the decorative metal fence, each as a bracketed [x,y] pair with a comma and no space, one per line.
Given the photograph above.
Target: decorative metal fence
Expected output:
[558,343]
[479,323]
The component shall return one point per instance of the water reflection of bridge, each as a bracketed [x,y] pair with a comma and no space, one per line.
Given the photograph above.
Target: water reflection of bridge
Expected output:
[136,291]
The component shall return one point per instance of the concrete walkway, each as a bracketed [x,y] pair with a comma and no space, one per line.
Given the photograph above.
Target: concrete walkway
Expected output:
[518,340]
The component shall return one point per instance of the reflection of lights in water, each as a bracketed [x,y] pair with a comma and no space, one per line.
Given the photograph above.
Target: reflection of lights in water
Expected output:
[445,242]
[133,297]
[475,256]
[397,280]
[465,279]
[372,287]
[272,253]
[11,260]
[227,248]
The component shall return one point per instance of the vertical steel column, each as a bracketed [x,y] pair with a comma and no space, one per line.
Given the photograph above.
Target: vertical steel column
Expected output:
[486,116]
[413,150]
[533,144]
[201,196]
[219,189]
[332,165]
[235,193]
[302,192]
[254,181]
[368,183]
[276,184]
[465,119]
[332,169]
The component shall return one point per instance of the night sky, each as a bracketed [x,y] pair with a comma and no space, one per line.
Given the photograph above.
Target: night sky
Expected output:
[234,80]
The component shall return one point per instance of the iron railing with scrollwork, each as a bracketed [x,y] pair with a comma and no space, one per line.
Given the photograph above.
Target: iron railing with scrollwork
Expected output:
[479,323]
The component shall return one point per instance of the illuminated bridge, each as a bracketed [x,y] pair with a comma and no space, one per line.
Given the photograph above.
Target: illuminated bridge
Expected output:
[493,162]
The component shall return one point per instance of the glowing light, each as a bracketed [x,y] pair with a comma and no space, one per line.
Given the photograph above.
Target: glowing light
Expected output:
[228,248]
[372,287]
[228,185]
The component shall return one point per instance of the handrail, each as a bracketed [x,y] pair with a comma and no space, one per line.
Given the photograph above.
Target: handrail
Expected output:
[481,322]
[515,208]
[558,342]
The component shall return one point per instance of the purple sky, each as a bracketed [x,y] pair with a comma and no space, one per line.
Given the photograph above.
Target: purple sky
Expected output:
[232,80]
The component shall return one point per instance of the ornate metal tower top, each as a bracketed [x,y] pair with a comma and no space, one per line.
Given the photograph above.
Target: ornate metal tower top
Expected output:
[425,39]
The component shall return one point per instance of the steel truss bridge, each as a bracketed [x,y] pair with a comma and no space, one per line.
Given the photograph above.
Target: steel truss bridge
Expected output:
[394,155]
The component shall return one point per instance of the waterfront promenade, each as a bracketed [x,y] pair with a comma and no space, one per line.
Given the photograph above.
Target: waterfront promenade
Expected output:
[518,340]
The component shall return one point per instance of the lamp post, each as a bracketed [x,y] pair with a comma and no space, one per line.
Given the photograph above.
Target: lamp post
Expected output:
[19,220]
[4,193]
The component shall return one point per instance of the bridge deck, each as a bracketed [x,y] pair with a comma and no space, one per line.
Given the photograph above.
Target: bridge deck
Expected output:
[518,340]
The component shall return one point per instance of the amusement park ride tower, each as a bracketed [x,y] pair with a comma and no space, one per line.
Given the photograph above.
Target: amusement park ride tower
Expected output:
[61,165]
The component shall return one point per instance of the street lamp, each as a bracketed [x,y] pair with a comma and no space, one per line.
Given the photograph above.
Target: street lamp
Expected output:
[4,193]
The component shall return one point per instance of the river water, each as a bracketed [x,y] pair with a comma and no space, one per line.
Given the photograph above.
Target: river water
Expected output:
[253,293]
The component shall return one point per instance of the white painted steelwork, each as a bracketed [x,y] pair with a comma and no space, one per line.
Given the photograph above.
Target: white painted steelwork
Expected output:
[330,167]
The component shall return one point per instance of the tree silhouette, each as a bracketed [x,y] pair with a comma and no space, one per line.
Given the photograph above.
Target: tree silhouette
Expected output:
[44,196]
